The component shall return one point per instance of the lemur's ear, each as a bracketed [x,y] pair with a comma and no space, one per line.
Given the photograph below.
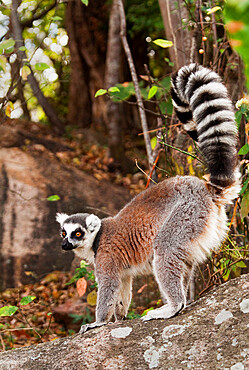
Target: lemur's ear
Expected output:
[61,217]
[93,223]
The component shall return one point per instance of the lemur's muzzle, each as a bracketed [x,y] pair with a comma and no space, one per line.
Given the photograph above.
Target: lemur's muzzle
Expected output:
[66,245]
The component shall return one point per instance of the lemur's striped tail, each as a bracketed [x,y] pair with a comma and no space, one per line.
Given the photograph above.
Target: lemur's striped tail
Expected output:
[202,104]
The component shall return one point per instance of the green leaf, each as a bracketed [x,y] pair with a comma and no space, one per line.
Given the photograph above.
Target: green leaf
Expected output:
[241,264]
[53,198]
[26,300]
[22,48]
[85,2]
[152,91]
[238,116]
[41,66]
[244,186]
[145,311]
[171,64]
[245,205]
[244,150]
[113,89]
[7,44]
[57,18]
[100,92]
[8,310]
[163,43]
[153,142]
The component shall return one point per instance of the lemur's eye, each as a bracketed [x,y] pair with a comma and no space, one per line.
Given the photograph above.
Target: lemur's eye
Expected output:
[64,234]
[78,234]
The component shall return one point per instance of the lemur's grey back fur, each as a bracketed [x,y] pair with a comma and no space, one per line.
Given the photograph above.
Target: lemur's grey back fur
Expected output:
[202,104]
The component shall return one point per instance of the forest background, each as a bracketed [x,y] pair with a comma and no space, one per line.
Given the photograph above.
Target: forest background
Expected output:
[66,66]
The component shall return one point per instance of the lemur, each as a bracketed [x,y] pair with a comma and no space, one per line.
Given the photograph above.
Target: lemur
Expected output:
[168,228]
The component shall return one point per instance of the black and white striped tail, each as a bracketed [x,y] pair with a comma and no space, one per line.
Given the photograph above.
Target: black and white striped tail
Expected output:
[202,104]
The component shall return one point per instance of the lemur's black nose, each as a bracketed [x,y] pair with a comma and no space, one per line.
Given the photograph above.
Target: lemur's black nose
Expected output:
[66,245]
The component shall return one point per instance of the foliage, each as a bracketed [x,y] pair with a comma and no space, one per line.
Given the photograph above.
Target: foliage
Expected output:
[11,310]
[143,18]
[45,44]
[83,271]
[237,24]
[38,322]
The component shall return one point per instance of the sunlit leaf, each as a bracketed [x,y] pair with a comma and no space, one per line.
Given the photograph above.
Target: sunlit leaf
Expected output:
[113,89]
[85,2]
[41,66]
[53,198]
[57,18]
[213,10]
[153,142]
[163,43]
[26,300]
[152,91]
[100,92]
[8,310]
[6,44]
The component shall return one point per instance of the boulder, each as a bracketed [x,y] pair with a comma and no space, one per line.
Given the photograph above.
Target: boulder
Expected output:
[212,333]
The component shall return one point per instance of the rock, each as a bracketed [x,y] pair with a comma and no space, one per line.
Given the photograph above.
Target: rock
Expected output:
[29,234]
[71,313]
[9,137]
[195,339]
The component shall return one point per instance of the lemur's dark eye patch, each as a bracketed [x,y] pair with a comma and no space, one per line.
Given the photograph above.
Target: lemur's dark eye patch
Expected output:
[78,234]
[63,233]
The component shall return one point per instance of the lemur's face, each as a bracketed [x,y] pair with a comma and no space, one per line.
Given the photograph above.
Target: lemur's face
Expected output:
[79,230]
[73,236]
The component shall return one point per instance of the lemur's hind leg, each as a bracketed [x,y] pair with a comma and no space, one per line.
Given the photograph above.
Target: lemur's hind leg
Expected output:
[124,298]
[188,275]
[169,273]
[174,256]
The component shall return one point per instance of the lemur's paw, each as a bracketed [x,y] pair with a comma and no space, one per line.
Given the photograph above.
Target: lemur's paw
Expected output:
[164,312]
[85,328]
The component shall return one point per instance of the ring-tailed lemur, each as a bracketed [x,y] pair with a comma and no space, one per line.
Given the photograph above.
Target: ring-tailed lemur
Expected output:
[171,227]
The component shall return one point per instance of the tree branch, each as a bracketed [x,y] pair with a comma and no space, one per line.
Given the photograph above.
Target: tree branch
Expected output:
[28,22]
[135,82]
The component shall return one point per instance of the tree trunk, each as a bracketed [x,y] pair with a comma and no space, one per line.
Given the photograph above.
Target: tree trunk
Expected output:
[172,14]
[85,25]
[112,77]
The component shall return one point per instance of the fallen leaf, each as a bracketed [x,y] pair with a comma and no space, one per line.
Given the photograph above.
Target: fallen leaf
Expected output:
[81,286]
[142,288]
[92,298]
